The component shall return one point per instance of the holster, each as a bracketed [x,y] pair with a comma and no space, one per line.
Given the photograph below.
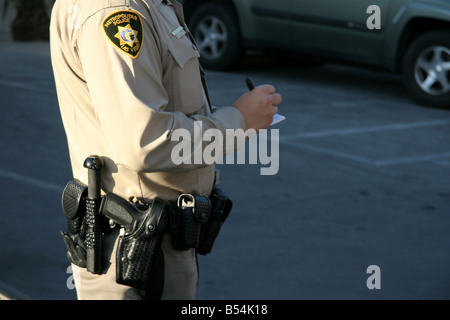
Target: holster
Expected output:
[221,206]
[139,247]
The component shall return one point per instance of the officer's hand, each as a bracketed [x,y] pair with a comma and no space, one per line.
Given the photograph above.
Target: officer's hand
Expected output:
[258,106]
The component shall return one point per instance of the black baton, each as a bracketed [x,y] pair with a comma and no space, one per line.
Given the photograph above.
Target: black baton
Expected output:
[93,239]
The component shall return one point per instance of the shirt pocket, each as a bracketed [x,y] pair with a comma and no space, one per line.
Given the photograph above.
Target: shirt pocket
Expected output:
[187,90]
[182,49]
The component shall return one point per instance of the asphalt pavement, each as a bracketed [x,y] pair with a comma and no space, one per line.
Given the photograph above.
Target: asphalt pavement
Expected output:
[363,180]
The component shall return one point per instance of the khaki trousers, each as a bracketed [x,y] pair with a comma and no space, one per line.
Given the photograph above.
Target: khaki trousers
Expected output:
[180,275]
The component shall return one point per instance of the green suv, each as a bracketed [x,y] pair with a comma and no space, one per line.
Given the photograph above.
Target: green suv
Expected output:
[411,37]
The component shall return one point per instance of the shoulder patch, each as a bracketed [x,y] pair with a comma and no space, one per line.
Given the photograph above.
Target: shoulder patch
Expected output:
[124,29]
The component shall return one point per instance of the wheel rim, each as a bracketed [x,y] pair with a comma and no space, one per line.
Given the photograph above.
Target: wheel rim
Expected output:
[432,70]
[211,37]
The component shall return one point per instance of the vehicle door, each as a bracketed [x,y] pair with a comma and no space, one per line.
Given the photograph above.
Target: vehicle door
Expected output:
[268,21]
[340,28]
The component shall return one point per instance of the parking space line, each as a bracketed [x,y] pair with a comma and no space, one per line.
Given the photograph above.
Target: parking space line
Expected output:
[20,85]
[294,140]
[361,130]
[329,152]
[412,159]
[376,163]
[31,181]
[444,163]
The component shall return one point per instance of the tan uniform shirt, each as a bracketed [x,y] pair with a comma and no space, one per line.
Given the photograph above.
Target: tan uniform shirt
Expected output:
[126,77]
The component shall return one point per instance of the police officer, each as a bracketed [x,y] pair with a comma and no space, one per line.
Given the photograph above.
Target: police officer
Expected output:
[127,75]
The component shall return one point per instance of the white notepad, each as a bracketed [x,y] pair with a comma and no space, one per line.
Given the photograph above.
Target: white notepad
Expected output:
[277,118]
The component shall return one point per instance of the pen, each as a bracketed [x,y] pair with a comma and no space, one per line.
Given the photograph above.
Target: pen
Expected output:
[249,83]
[276,117]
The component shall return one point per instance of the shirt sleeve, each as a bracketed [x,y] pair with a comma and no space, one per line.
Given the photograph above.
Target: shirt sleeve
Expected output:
[129,99]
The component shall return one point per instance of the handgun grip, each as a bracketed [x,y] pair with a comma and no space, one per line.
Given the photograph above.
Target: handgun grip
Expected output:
[119,210]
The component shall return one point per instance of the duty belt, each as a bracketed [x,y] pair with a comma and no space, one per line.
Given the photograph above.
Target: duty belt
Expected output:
[183,220]
[194,222]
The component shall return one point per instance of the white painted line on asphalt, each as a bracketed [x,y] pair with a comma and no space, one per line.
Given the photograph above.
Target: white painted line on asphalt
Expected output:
[293,140]
[444,163]
[361,130]
[9,293]
[31,181]
[329,152]
[412,159]
[20,85]
[376,163]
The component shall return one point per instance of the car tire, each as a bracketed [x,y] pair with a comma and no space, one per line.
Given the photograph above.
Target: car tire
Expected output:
[217,34]
[426,69]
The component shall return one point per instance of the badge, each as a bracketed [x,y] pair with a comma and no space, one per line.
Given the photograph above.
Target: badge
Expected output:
[124,29]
